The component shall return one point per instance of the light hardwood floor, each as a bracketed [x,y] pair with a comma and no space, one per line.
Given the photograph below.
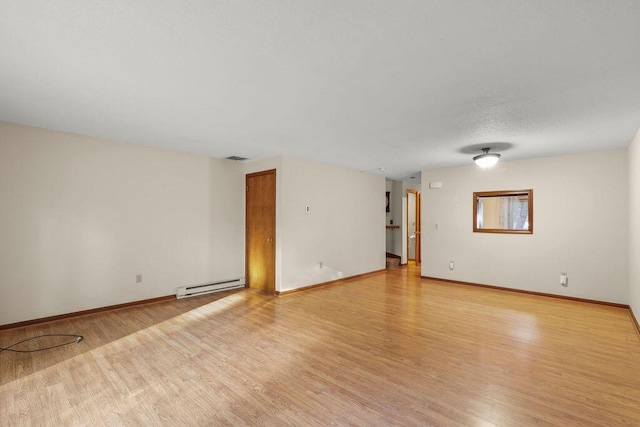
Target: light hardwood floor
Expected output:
[389,349]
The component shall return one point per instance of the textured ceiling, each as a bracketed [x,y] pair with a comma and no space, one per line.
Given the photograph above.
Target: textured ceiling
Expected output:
[366,84]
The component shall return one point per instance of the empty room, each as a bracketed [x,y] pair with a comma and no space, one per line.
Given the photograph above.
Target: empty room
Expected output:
[320,213]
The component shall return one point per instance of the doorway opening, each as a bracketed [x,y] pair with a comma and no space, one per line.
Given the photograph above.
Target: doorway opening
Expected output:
[413,227]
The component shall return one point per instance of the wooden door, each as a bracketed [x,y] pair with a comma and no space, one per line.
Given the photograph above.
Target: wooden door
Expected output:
[261,231]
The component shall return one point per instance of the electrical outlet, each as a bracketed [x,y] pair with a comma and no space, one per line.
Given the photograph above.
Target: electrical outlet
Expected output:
[138,278]
[321,264]
[451,265]
[564,280]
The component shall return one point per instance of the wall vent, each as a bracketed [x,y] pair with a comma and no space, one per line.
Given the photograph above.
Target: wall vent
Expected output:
[207,288]
[236,158]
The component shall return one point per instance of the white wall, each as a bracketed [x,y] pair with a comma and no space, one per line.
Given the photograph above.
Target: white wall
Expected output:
[80,217]
[580,226]
[634,225]
[344,228]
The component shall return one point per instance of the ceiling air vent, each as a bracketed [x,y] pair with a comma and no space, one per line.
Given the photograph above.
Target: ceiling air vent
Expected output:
[236,158]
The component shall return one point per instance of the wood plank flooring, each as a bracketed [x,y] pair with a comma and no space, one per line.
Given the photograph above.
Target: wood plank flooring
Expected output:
[388,349]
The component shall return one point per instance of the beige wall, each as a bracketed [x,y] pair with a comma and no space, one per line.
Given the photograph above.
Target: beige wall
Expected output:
[344,228]
[634,225]
[80,217]
[580,226]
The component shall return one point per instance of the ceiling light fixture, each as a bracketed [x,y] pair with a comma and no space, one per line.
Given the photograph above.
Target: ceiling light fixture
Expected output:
[486,159]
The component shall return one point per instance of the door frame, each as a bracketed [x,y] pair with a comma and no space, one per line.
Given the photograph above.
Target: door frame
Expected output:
[417,231]
[246,220]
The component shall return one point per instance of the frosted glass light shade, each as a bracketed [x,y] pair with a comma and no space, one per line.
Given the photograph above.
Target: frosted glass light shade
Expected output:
[486,159]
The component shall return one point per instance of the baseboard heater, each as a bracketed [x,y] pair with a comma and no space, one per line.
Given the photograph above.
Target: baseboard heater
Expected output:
[207,288]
